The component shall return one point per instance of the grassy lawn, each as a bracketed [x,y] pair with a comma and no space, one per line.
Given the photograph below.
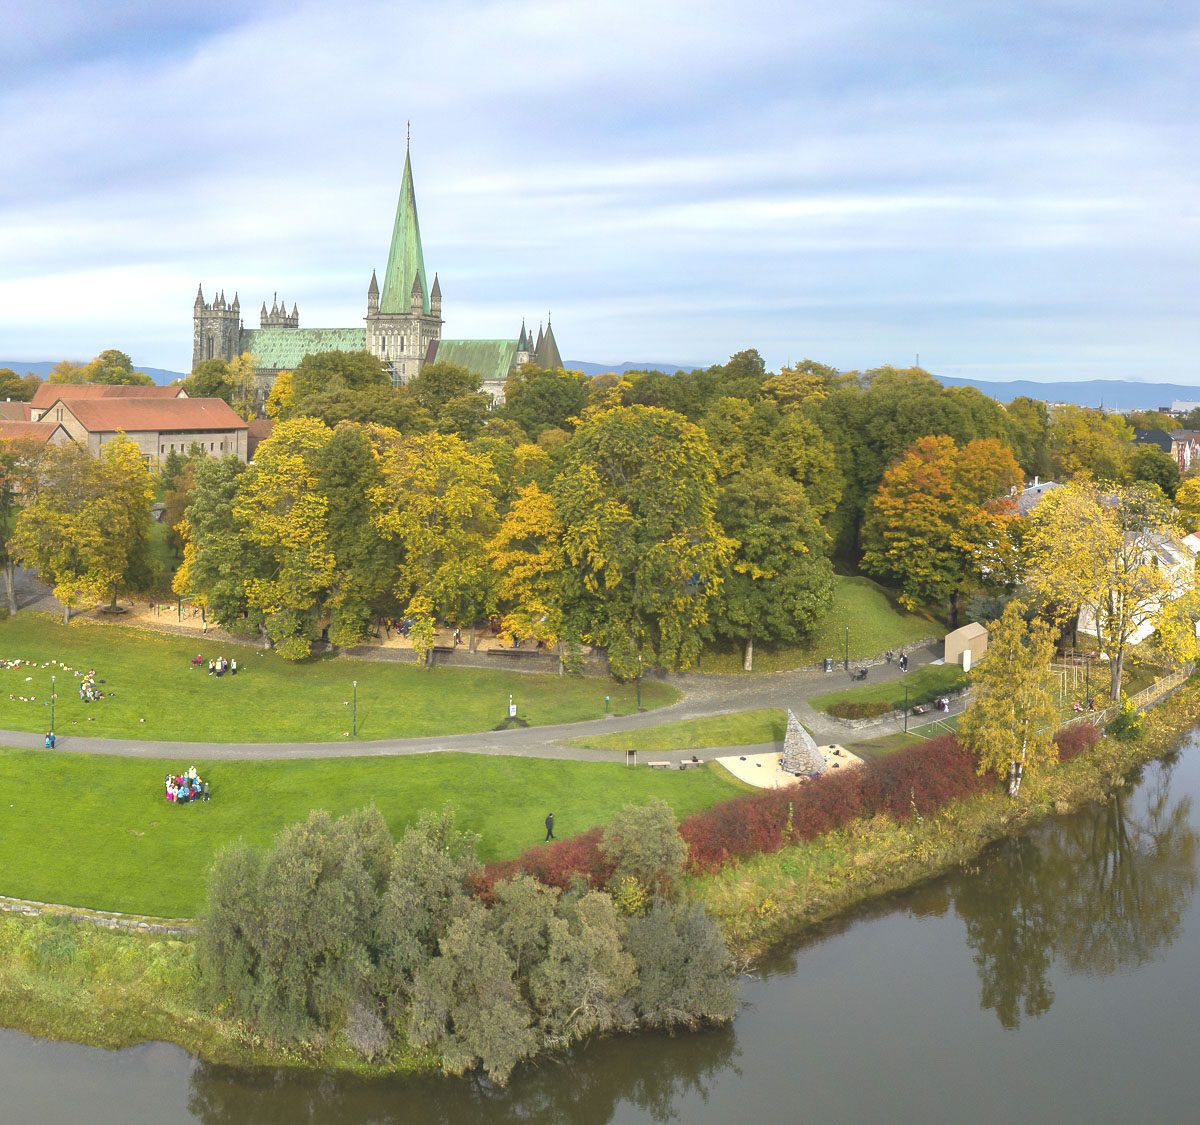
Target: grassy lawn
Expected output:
[270,700]
[924,684]
[92,830]
[739,728]
[876,624]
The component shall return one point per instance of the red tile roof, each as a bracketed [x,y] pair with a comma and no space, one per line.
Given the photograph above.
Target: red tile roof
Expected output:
[50,393]
[133,415]
[15,411]
[42,431]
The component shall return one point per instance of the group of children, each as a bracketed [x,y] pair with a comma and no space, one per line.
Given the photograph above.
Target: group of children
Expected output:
[216,667]
[88,692]
[186,787]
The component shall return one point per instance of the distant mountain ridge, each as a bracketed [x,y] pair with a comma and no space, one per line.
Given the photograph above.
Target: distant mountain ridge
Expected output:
[1119,394]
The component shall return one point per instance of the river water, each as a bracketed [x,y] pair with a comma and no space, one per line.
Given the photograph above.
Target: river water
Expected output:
[1057,980]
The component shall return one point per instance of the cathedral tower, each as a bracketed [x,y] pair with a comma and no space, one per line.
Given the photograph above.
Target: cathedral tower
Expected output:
[216,328]
[404,317]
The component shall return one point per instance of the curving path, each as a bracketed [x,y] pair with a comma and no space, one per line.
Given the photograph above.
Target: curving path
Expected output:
[703,696]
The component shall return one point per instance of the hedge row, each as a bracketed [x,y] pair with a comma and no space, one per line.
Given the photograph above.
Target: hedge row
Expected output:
[918,780]
[846,710]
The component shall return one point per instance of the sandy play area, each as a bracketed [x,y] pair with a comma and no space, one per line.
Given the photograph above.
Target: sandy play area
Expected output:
[762,770]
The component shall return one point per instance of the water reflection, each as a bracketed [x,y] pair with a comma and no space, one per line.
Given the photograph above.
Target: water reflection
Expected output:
[650,1073]
[1102,891]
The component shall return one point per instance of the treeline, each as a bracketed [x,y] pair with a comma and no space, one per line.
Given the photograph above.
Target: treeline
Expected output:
[337,930]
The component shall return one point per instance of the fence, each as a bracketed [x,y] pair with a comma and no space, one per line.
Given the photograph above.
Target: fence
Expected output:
[1144,699]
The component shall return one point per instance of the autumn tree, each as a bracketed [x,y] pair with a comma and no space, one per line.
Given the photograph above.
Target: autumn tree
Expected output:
[1010,722]
[437,500]
[780,580]
[941,520]
[19,459]
[115,368]
[19,388]
[637,500]
[538,399]
[285,516]
[84,520]
[1096,552]
[1088,444]
[529,561]
[233,380]
[1187,501]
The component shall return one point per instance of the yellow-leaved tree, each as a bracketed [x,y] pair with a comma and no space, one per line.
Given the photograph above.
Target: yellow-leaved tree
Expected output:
[1106,553]
[1010,722]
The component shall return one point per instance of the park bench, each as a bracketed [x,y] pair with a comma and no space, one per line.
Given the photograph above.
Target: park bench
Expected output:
[687,763]
[659,765]
[508,651]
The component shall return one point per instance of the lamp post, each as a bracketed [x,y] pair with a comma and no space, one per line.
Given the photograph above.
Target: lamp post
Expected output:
[639,683]
[354,713]
[53,696]
[906,708]
[846,661]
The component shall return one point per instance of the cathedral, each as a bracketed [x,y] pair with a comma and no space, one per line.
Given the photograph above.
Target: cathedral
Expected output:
[403,323]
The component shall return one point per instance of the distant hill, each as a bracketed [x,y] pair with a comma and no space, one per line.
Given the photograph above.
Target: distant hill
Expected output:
[1120,394]
[621,368]
[42,368]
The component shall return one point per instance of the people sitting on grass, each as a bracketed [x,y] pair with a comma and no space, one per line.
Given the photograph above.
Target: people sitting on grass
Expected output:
[185,787]
[88,692]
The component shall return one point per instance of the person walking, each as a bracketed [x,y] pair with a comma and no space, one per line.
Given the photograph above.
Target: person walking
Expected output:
[549,828]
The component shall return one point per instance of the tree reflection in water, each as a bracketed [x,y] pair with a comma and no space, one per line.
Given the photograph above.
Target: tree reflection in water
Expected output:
[1101,891]
[650,1072]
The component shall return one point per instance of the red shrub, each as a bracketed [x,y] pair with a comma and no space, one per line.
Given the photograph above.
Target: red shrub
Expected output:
[556,864]
[1076,739]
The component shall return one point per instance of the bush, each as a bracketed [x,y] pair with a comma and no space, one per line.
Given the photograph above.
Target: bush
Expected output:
[557,865]
[642,842]
[1076,739]
[851,710]
[913,782]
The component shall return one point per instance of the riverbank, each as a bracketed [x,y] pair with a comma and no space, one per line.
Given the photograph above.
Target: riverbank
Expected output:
[762,901]
[66,980]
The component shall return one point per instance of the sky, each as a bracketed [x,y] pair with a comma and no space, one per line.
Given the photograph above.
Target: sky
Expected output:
[1008,190]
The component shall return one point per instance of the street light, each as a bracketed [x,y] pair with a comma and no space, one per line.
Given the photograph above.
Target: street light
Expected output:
[52,698]
[846,662]
[906,708]
[639,682]
[354,718]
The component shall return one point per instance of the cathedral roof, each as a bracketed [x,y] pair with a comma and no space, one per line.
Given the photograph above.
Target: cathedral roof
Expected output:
[491,360]
[406,260]
[278,349]
[547,356]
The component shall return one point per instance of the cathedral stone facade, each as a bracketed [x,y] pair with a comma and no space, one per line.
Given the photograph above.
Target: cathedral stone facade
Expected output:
[403,323]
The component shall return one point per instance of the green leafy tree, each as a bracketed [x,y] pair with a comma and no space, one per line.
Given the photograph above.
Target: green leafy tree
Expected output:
[19,388]
[1010,722]
[780,582]
[1029,435]
[467,1004]
[322,371]
[637,501]
[219,557]
[1151,465]
[643,843]
[64,371]
[537,399]
[1088,444]
[364,561]
[685,972]
[451,396]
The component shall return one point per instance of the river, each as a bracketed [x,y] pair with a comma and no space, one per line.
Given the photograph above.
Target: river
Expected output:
[1056,980]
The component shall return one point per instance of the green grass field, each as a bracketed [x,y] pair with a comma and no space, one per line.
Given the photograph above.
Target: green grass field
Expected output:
[96,831]
[924,684]
[876,624]
[738,728]
[270,700]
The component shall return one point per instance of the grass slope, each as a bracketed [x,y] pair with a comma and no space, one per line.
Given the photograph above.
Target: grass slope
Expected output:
[96,831]
[738,728]
[923,684]
[876,624]
[271,700]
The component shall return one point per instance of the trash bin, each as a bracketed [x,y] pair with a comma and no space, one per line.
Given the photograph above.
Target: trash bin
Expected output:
[829,664]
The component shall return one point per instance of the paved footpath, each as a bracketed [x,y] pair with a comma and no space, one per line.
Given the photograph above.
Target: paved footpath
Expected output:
[703,696]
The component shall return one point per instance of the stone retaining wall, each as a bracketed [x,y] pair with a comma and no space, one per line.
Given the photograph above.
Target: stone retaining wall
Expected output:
[109,920]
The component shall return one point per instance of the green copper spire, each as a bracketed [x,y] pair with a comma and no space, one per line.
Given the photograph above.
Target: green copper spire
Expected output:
[406,261]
